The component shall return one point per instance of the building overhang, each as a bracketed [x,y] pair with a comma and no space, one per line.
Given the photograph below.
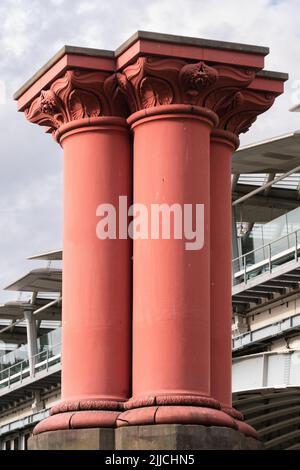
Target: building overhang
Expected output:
[39,280]
[275,155]
[54,255]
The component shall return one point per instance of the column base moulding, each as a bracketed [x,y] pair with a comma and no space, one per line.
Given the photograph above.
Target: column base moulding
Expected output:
[87,405]
[232,412]
[184,409]
[81,413]
[177,414]
[78,420]
[143,411]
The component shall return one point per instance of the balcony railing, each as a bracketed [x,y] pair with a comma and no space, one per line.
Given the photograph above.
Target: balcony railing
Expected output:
[43,361]
[266,332]
[271,255]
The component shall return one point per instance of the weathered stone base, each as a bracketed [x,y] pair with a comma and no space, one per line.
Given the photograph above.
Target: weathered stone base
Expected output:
[145,437]
[74,439]
[183,437]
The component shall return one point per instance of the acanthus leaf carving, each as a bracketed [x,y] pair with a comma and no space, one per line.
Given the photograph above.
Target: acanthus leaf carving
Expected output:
[83,104]
[154,92]
[116,98]
[76,95]
[153,82]
[245,106]
[150,82]
[125,87]
[230,81]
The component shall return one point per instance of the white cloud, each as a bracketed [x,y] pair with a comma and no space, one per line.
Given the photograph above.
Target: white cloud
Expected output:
[85,7]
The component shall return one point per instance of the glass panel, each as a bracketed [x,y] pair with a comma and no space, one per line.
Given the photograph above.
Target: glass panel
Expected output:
[46,342]
[14,357]
[263,234]
[293,220]
[276,239]
[15,365]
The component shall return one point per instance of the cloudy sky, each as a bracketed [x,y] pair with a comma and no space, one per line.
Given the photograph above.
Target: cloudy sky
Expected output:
[34,30]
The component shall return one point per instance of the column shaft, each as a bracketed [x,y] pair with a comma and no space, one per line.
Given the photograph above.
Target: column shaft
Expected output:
[222,146]
[170,283]
[96,283]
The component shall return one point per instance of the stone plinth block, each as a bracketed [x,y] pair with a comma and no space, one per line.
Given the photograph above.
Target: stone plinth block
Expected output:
[183,437]
[74,439]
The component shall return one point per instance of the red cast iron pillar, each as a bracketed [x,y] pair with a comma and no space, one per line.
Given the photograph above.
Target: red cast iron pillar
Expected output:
[171,323]
[187,100]
[236,114]
[223,145]
[181,365]
[171,284]
[85,119]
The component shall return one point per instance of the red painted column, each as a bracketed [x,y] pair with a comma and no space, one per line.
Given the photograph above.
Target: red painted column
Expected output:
[96,283]
[96,301]
[171,321]
[171,285]
[96,310]
[234,119]
[223,144]
[180,321]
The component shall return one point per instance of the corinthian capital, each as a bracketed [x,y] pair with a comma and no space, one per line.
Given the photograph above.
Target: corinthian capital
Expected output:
[241,111]
[74,96]
[153,82]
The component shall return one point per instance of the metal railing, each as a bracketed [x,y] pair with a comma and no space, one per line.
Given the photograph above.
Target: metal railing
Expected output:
[273,254]
[21,354]
[266,332]
[44,360]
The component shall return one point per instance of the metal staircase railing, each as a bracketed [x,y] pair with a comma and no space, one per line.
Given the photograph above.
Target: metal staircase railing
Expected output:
[243,268]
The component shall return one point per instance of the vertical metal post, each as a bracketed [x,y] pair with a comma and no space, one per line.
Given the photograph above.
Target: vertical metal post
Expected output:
[265,365]
[22,442]
[31,340]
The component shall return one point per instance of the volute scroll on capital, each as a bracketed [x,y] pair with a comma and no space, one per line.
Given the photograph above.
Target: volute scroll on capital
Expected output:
[238,115]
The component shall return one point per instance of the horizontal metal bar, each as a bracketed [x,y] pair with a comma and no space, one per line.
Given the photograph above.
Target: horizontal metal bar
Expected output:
[35,312]
[265,186]
[45,307]
[266,246]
